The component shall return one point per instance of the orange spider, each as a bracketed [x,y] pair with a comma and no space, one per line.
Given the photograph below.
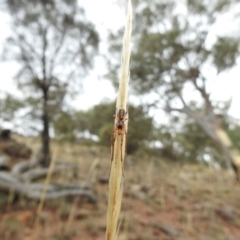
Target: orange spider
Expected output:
[119,129]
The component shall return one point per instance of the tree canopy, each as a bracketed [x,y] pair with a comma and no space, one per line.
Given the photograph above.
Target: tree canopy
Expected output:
[172,54]
[55,45]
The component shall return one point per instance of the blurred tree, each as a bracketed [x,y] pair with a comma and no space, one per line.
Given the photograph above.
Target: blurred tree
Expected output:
[54,44]
[99,120]
[9,105]
[172,56]
[139,130]
[187,141]
[64,126]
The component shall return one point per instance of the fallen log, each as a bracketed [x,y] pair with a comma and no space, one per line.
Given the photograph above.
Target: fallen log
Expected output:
[38,173]
[20,177]
[26,164]
[34,191]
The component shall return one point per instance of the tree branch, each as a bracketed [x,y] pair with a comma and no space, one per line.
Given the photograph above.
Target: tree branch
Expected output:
[55,54]
[43,59]
[34,191]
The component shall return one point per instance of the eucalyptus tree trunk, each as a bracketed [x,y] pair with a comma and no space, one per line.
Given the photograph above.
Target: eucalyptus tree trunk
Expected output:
[227,149]
[45,160]
[213,129]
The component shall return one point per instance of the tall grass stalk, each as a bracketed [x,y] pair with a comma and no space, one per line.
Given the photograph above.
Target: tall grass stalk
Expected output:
[116,172]
[43,195]
[77,198]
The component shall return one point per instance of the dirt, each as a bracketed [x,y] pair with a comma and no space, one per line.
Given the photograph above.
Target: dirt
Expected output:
[161,201]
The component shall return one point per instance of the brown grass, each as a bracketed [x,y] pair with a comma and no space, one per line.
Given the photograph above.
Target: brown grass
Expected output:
[157,195]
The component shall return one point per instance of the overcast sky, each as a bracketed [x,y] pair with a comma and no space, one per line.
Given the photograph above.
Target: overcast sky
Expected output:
[98,12]
[223,87]
[110,15]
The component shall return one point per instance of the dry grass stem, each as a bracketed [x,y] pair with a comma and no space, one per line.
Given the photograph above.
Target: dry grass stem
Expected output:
[77,198]
[46,184]
[116,172]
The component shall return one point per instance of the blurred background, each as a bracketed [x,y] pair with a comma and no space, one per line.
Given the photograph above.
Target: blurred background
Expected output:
[60,63]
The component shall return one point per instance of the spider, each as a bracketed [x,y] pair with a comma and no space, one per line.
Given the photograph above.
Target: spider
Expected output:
[119,128]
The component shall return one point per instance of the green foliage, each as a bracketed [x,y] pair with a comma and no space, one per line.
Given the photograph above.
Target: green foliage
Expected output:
[140,128]
[99,116]
[140,125]
[184,140]
[197,6]
[9,107]
[99,121]
[64,126]
[225,53]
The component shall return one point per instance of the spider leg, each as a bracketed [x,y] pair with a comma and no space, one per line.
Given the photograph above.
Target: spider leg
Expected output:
[122,132]
[112,144]
[123,152]
[125,143]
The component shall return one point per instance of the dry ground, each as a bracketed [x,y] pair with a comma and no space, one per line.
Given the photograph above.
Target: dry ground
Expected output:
[161,201]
